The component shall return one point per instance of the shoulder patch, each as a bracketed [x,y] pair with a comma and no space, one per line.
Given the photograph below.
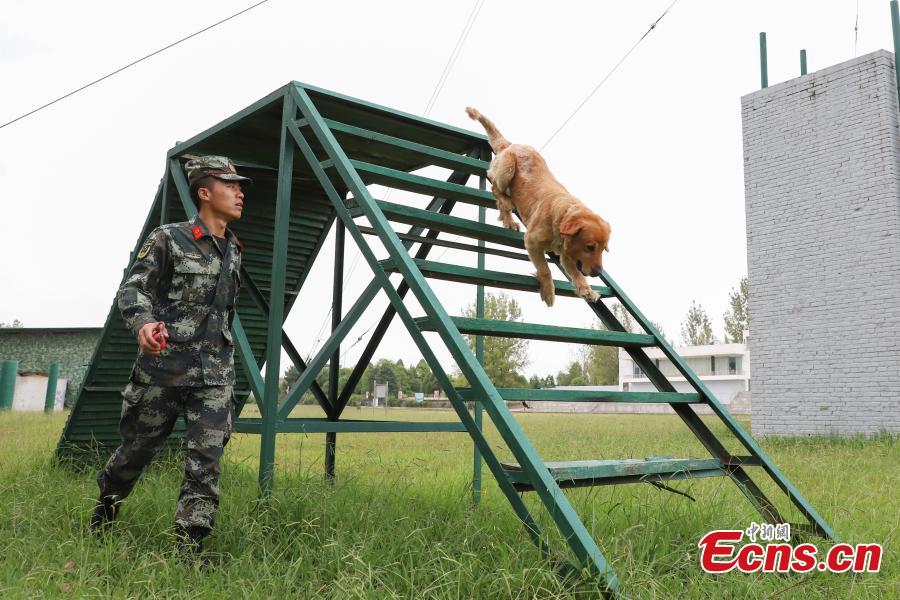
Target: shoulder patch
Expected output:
[146,248]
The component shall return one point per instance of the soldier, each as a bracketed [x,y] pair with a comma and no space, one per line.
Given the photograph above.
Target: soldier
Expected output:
[178,299]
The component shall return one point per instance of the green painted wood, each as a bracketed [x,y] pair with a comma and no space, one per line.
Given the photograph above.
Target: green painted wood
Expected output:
[277,301]
[424,347]
[553,395]
[497,279]
[746,440]
[693,421]
[437,204]
[350,426]
[433,156]
[534,331]
[409,182]
[445,223]
[603,469]
[391,121]
[562,512]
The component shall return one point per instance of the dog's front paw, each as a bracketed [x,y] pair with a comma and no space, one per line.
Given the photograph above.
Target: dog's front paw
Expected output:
[585,291]
[548,293]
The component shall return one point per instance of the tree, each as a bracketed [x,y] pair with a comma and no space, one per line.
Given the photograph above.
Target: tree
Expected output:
[696,330]
[16,324]
[534,382]
[737,319]
[503,357]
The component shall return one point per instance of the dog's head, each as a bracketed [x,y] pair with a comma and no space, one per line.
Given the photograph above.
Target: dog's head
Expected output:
[586,238]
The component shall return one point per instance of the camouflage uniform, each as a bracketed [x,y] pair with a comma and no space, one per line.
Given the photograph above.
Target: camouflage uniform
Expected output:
[187,279]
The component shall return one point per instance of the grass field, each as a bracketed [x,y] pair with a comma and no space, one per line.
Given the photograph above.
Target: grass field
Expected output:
[398,522]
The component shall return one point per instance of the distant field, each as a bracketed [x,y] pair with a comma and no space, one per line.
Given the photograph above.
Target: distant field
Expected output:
[399,522]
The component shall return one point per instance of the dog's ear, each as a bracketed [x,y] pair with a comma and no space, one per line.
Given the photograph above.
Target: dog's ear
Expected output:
[571,224]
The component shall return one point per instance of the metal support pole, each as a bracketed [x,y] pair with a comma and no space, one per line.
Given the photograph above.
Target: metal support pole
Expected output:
[52,377]
[802,62]
[276,301]
[334,365]
[479,354]
[895,25]
[763,61]
[8,371]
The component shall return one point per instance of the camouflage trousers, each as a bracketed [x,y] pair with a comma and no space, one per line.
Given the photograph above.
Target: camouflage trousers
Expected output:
[148,416]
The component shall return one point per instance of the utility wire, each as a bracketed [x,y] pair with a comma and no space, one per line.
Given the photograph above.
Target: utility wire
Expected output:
[435,93]
[613,70]
[131,64]
[597,87]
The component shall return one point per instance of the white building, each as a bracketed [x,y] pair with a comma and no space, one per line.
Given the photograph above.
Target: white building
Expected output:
[723,368]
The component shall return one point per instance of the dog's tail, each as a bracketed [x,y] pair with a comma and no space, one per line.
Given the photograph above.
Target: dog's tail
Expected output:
[495,138]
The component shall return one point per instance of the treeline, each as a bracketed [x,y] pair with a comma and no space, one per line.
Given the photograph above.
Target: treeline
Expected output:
[506,358]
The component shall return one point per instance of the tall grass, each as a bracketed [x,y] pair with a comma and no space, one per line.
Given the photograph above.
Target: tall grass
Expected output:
[399,523]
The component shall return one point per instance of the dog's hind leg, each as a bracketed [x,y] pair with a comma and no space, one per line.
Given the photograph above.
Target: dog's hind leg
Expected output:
[505,206]
[502,171]
[543,274]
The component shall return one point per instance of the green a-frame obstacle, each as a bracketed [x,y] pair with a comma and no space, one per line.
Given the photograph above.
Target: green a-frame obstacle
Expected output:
[312,153]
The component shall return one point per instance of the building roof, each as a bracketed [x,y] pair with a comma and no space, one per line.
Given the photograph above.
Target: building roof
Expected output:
[706,350]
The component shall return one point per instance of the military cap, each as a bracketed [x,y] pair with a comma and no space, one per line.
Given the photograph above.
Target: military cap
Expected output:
[219,167]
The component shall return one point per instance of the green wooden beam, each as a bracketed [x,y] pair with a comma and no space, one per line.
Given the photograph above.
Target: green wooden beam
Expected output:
[427,353]
[418,184]
[570,526]
[554,395]
[497,279]
[426,244]
[276,304]
[534,331]
[465,136]
[445,223]
[743,437]
[350,426]
[434,156]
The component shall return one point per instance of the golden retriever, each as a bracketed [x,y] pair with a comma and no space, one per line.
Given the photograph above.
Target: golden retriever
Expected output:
[555,220]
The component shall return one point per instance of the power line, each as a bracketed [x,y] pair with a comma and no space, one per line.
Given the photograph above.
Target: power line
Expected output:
[131,64]
[457,49]
[602,81]
[435,93]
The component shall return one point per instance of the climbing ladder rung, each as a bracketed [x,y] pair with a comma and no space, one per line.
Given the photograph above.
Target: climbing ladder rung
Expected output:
[580,473]
[402,180]
[409,215]
[429,154]
[551,395]
[498,279]
[534,331]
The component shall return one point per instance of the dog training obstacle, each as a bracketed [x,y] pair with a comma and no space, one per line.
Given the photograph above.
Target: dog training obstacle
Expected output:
[312,153]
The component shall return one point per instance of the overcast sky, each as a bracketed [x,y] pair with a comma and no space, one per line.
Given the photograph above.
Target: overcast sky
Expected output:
[657,151]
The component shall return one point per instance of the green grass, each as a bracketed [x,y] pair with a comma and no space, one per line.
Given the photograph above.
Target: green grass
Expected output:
[398,523]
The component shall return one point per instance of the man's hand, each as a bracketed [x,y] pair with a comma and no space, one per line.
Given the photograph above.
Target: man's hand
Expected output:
[152,338]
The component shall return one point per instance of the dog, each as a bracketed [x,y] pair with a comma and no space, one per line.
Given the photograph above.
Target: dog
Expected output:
[554,219]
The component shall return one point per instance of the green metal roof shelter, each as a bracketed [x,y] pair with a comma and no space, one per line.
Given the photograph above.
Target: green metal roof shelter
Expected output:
[312,153]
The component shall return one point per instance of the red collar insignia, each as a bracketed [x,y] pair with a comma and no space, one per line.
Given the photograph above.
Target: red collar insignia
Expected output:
[197,231]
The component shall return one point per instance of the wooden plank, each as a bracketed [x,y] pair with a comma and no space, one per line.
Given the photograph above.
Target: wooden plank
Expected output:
[497,279]
[402,180]
[434,156]
[601,469]
[409,215]
[551,395]
[351,426]
[534,331]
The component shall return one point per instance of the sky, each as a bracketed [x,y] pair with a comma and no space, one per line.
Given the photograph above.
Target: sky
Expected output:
[657,151]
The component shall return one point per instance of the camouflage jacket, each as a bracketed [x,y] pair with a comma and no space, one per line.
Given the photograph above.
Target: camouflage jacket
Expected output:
[183,278]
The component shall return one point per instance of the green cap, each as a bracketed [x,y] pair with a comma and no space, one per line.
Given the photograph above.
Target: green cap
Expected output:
[219,167]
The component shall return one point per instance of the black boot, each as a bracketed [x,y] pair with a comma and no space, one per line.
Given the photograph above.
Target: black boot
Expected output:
[189,544]
[104,513]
